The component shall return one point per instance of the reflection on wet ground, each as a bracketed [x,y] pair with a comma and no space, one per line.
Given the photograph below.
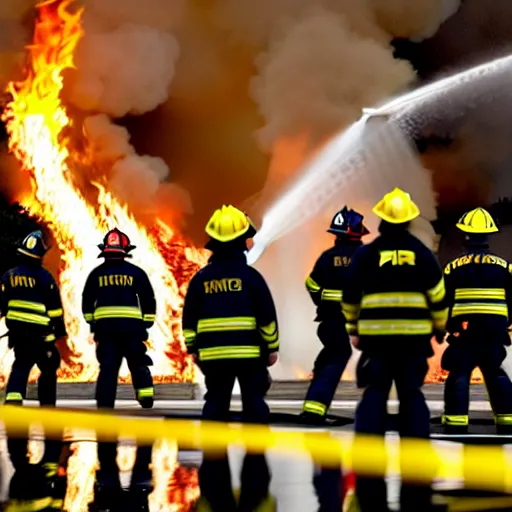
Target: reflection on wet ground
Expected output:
[175,486]
[295,484]
[176,476]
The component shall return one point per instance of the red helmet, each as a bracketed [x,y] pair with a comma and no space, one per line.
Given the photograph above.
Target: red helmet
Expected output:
[115,244]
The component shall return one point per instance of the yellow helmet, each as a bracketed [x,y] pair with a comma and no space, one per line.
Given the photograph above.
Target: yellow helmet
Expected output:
[477,221]
[228,223]
[396,207]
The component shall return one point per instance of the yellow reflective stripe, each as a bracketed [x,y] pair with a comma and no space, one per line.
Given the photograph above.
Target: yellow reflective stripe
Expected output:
[437,293]
[30,318]
[314,407]
[145,392]
[440,318]
[274,345]
[189,335]
[480,293]
[54,313]
[25,304]
[332,295]
[351,328]
[56,504]
[50,337]
[234,352]
[479,308]
[105,312]
[269,332]
[503,419]
[14,397]
[442,314]
[391,327]
[460,420]
[312,285]
[89,317]
[29,506]
[394,300]
[351,311]
[236,323]
[149,317]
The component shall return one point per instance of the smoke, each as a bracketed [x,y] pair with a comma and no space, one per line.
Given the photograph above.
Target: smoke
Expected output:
[305,82]
[125,65]
[320,68]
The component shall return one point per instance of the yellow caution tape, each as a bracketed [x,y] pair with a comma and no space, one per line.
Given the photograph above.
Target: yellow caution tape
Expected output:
[485,468]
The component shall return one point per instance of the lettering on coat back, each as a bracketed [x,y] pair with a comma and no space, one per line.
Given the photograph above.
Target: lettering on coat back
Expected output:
[226,285]
[342,261]
[17,281]
[397,257]
[479,259]
[115,280]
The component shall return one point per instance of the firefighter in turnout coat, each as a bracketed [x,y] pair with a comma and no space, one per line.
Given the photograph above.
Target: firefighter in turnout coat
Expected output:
[31,305]
[119,304]
[394,300]
[325,285]
[229,320]
[230,327]
[479,291]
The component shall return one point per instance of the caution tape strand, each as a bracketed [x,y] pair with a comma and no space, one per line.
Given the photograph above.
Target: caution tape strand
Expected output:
[486,468]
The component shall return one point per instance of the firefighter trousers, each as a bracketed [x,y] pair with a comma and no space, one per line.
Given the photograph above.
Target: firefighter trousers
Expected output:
[110,353]
[27,353]
[328,367]
[220,379]
[408,372]
[460,360]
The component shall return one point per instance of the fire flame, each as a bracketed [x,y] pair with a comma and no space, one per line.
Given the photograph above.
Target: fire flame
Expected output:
[40,131]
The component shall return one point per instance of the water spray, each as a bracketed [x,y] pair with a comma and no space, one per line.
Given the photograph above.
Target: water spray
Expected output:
[340,162]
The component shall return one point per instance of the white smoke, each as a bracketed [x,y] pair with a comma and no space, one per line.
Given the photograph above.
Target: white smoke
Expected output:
[125,65]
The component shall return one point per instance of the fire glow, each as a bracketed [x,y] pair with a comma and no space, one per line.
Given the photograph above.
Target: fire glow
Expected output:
[40,137]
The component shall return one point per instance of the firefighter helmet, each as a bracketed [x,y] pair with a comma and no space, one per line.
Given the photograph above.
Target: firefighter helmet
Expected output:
[33,245]
[477,221]
[115,244]
[396,207]
[229,223]
[348,222]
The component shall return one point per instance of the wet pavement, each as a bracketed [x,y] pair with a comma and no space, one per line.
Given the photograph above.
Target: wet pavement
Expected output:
[175,472]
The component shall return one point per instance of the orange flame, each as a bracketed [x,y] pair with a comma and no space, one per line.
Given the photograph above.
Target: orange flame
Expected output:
[39,137]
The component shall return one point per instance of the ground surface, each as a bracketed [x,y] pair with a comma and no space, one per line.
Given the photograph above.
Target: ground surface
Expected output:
[292,483]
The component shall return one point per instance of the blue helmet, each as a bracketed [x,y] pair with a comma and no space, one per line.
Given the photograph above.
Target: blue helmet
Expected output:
[348,222]
[33,245]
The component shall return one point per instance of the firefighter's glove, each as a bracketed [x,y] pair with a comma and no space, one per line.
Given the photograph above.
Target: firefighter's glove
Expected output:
[439,336]
[354,341]
[272,359]
[453,337]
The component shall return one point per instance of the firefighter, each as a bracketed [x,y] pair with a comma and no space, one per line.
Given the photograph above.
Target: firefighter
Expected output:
[230,327]
[31,305]
[479,292]
[119,304]
[393,300]
[325,285]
